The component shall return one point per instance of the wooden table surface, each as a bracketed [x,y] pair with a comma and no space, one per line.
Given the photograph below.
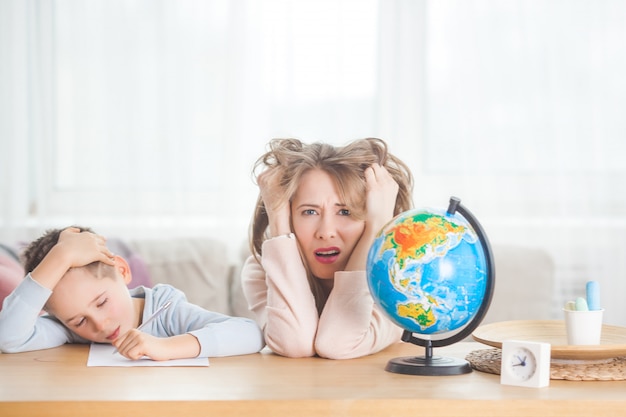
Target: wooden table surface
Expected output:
[57,382]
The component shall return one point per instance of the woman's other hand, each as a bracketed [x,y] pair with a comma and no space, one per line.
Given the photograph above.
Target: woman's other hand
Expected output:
[382,191]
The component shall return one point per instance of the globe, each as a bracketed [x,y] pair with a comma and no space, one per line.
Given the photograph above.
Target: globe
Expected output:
[431,272]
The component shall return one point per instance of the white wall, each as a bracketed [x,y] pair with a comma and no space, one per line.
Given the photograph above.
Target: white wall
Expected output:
[138,120]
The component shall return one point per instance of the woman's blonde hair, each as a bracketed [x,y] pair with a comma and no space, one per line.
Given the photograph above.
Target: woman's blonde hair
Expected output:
[290,159]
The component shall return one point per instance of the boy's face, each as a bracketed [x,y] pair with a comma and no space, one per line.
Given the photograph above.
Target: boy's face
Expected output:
[97,309]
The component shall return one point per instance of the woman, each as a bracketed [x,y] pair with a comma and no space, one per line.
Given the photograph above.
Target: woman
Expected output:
[319,210]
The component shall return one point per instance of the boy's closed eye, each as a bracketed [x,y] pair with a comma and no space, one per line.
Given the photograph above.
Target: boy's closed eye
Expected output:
[80,321]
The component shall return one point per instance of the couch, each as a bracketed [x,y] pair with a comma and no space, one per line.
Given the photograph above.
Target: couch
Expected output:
[209,274]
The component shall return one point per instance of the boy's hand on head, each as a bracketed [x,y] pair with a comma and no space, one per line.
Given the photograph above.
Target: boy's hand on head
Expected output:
[73,249]
[83,248]
[382,191]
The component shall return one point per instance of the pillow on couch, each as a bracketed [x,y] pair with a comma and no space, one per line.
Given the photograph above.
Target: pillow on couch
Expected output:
[199,267]
[138,268]
[11,274]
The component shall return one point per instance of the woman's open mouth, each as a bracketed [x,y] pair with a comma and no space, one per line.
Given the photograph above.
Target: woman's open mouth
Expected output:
[327,255]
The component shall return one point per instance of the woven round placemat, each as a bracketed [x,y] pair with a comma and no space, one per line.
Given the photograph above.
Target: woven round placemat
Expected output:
[614,369]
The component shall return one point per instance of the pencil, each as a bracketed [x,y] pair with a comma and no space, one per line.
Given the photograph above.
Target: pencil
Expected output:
[152,317]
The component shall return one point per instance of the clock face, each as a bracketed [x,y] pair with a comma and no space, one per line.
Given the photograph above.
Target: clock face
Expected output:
[522,363]
[526,364]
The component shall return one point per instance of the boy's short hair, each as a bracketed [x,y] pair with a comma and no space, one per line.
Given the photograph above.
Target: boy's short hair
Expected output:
[40,247]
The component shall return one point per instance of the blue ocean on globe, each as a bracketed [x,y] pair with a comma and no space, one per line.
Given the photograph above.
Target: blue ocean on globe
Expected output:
[427,271]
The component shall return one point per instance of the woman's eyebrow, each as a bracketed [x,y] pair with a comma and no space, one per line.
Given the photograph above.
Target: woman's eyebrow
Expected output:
[318,206]
[308,205]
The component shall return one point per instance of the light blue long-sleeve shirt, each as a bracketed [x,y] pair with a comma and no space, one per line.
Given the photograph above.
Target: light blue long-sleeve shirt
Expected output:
[23,328]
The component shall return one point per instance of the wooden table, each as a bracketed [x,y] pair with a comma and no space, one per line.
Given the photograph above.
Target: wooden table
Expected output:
[57,382]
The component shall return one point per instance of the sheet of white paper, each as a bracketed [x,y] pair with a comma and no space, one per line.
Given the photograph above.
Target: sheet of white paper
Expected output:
[102,355]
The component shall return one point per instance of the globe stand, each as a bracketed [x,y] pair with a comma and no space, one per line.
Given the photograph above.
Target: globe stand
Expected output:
[427,364]
[437,365]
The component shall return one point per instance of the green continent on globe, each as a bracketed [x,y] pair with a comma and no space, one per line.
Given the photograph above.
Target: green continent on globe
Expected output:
[423,317]
[414,236]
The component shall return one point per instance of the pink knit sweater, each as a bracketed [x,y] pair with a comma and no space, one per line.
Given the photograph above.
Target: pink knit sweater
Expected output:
[278,292]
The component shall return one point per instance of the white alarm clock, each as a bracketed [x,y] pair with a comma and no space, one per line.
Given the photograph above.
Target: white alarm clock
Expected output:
[525,364]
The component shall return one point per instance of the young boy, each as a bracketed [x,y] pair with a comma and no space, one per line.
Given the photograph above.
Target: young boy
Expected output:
[83,288]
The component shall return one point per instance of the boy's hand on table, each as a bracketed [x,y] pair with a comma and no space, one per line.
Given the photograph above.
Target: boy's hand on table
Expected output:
[136,344]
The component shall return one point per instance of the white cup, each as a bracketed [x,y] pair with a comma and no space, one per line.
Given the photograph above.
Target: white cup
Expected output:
[583,327]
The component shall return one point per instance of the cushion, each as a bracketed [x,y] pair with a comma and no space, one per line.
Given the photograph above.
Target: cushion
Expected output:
[11,274]
[524,284]
[138,267]
[199,267]
[238,302]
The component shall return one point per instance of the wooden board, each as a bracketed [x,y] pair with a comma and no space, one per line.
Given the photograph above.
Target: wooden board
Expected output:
[612,345]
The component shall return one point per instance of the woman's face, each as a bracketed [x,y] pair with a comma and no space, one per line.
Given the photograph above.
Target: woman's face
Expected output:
[323,224]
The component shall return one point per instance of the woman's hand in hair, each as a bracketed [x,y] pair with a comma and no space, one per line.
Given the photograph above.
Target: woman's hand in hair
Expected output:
[275,201]
[380,200]
[382,191]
